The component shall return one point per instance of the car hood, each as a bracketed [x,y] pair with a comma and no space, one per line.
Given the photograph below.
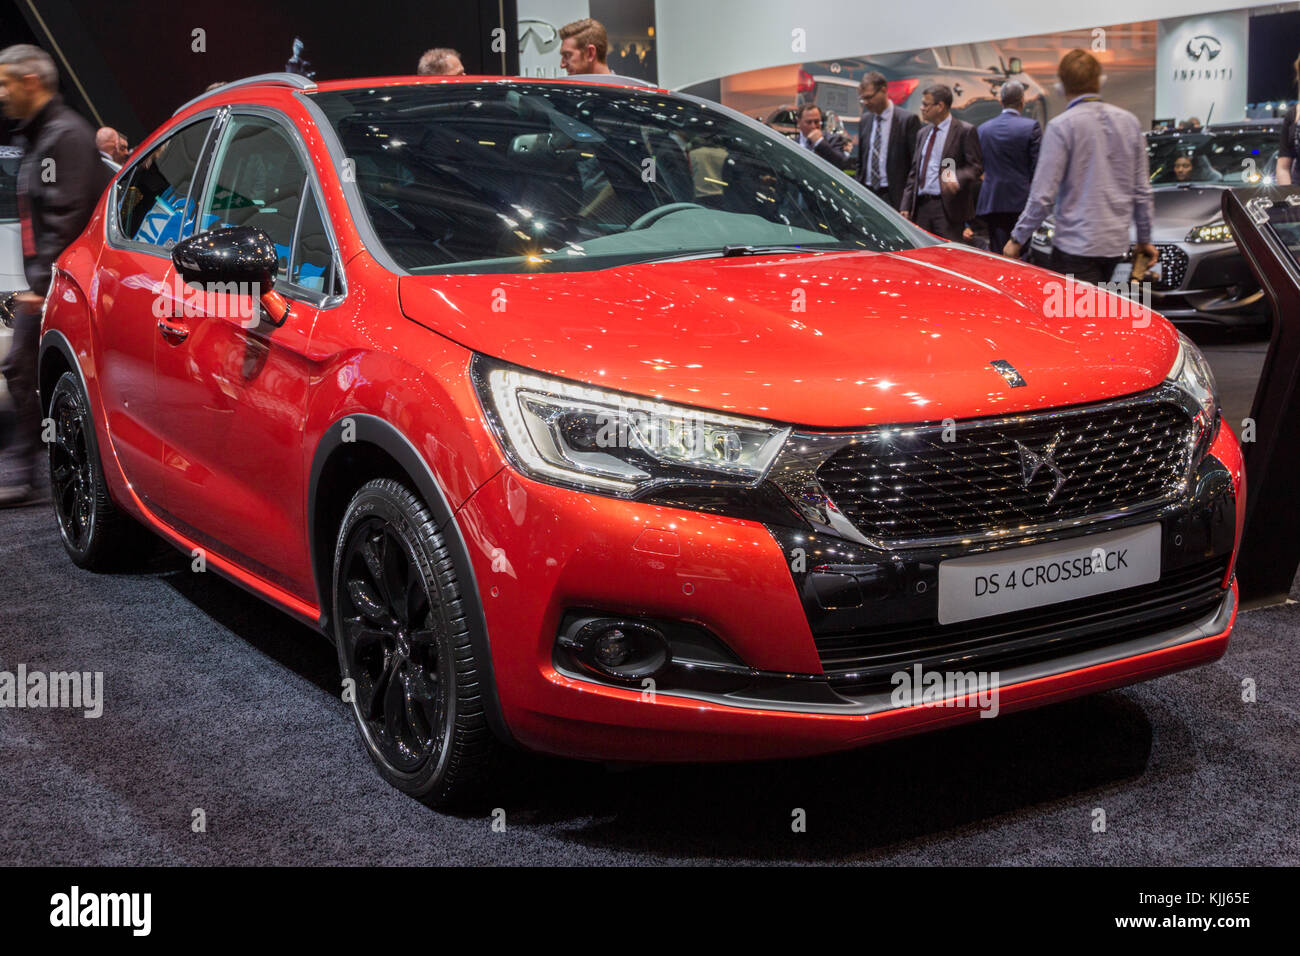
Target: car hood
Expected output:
[1180,209]
[831,340]
[1177,211]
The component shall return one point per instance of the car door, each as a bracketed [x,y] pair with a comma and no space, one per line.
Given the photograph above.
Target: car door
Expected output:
[233,388]
[150,209]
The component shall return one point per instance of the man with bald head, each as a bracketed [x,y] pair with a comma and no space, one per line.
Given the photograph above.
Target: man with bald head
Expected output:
[111,146]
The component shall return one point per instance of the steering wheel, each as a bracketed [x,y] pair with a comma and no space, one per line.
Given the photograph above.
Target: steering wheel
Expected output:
[654,215]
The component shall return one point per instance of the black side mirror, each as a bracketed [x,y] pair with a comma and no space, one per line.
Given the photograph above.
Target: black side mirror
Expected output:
[241,258]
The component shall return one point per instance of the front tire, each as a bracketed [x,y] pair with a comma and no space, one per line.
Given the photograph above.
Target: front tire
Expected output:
[403,642]
[96,534]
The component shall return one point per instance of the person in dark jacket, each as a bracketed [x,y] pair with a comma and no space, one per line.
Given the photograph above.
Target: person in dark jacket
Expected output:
[833,148]
[60,179]
[940,193]
[886,141]
[1010,145]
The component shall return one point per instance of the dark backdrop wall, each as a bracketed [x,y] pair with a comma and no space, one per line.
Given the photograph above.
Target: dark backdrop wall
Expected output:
[130,64]
[1274,42]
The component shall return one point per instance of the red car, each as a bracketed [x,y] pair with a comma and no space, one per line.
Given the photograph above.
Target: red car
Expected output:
[605,422]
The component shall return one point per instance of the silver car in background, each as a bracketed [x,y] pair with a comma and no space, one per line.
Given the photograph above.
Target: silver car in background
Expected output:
[11,244]
[1202,278]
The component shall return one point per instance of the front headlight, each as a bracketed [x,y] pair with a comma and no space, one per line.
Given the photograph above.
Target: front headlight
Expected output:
[1191,375]
[1217,231]
[583,437]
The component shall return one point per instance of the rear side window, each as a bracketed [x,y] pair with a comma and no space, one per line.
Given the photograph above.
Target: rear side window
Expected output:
[258,181]
[152,194]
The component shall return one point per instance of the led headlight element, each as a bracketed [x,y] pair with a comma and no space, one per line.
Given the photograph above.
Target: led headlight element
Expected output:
[1191,373]
[1217,231]
[589,438]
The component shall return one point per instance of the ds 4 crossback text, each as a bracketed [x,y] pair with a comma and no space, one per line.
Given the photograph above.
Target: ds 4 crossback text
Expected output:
[605,422]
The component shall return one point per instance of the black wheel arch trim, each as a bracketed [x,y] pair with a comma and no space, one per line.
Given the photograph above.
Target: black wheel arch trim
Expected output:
[376,431]
[52,340]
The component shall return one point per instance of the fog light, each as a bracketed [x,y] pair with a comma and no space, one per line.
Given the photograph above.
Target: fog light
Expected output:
[612,648]
[626,650]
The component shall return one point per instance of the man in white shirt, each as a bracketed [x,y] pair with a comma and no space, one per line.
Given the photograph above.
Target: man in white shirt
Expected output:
[940,193]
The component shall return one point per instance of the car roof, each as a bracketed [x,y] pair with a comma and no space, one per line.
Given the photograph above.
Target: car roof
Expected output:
[291,82]
[1245,126]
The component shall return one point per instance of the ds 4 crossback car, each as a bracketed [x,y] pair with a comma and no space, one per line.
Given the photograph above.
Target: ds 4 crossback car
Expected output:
[605,422]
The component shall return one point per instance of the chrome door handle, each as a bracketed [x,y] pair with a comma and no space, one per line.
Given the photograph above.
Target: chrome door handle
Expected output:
[172,333]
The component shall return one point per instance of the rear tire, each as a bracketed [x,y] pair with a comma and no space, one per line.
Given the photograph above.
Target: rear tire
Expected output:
[97,535]
[404,643]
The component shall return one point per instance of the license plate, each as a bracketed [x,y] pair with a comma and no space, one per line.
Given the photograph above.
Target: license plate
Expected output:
[1041,574]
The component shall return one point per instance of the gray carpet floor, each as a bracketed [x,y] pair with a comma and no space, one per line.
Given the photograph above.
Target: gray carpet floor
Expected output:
[214,701]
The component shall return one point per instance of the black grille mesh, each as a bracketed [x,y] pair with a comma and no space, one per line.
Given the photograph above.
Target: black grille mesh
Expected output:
[1173,267]
[913,485]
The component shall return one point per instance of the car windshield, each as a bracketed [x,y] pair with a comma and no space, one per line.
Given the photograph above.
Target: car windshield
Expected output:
[1229,158]
[529,177]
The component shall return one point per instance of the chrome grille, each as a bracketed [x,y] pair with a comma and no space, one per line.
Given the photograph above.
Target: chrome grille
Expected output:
[1173,267]
[900,486]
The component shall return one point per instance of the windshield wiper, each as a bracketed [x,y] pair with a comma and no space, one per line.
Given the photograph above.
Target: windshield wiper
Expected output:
[752,250]
[734,251]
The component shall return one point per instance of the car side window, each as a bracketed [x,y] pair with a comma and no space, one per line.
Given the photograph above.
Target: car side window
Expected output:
[258,181]
[313,256]
[152,194]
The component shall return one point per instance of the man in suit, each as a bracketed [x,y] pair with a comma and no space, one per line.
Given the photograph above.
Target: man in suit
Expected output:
[809,119]
[948,165]
[1010,144]
[886,141]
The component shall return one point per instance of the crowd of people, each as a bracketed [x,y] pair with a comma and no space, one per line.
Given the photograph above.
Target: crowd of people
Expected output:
[993,186]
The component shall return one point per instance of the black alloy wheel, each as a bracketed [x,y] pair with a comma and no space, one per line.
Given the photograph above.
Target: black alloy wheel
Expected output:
[403,643]
[96,534]
[392,646]
[72,480]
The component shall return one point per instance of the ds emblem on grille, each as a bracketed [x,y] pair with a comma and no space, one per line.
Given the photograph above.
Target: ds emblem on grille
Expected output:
[1008,371]
[1031,462]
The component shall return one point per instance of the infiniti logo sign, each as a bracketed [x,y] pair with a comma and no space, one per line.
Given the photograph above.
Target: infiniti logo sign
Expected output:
[1204,45]
[1031,462]
[541,34]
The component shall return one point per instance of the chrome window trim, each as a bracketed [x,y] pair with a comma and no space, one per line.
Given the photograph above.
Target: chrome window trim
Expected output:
[795,473]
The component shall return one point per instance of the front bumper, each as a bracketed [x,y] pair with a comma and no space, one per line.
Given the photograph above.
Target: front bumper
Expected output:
[541,552]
